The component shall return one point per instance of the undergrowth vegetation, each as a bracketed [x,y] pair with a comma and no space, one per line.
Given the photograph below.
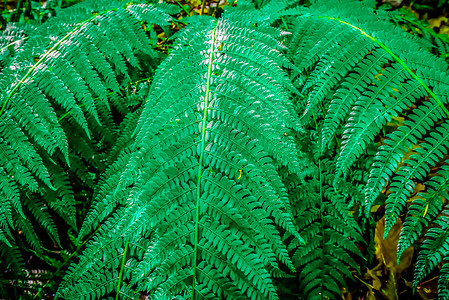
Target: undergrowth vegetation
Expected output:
[270,150]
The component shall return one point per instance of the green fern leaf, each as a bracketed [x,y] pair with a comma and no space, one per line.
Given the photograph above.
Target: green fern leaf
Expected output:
[399,141]
[423,210]
[55,106]
[434,245]
[330,234]
[352,102]
[199,182]
[434,147]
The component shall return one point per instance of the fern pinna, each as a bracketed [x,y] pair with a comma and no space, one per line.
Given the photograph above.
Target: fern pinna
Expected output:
[59,89]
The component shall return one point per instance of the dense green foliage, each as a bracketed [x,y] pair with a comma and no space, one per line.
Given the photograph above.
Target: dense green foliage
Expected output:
[247,169]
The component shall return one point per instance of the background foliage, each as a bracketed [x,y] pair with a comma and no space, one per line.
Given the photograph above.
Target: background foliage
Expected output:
[60,185]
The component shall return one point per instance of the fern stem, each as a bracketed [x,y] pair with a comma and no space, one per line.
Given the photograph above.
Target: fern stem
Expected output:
[200,162]
[121,271]
[285,23]
[322,218]
[16,11]
[15,42]
[202,7]
[365,283]
[399,61]
[314,119]
[182,6]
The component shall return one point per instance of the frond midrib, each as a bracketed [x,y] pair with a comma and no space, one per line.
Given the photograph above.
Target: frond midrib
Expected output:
[398,60]
[201,157]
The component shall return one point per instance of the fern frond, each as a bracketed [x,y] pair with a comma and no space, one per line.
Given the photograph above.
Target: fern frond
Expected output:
[443,282]
[424,209]
[330,233]
[55,98]
[201,182]
[390,153]
[108,196]
[6,221]
[15,261]
[25,227]
[370,117]
[356,81]
[387,77]
[428,154]
[42,216]
[12,39]
[262,14]
[355,78]
[395,88]
[433,249]
[251,156]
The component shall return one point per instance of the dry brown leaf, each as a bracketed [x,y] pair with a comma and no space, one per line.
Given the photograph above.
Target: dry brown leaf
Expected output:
[444,29]
[436,22]
[386,249]
[394,3]
[419,187]
[374,274]
[370,296]
[391,291]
